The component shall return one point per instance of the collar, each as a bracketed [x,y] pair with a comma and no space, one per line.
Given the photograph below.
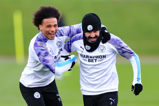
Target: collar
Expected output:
[42,37]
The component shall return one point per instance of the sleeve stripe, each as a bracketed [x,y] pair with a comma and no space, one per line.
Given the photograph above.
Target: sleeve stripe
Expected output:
[61,64]
[138,68]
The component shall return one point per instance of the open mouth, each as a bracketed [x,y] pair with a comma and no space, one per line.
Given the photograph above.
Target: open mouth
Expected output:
[92,39]
[51,34]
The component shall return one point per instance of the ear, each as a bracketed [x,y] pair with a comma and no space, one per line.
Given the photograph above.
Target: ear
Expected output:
[40,27]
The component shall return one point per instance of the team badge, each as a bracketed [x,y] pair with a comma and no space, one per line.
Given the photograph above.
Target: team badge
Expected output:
[59,44]
[102,48]
[87,47]
[37,95]
[89,27]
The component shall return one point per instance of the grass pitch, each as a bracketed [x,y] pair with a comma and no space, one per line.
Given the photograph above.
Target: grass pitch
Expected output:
[69,87]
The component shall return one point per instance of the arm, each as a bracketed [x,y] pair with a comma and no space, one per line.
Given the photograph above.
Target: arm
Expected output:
[69,31]
[65,64]
[136,85]
[135,62]
[125,51]
[69,45]
[43,54]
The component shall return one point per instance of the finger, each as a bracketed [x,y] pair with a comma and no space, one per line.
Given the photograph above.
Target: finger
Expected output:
[132,88]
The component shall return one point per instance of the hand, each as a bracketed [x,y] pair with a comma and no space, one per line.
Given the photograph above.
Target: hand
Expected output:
[65,64]
[69,57]
[137,88]
[66,57]
[105,34]
[73,63]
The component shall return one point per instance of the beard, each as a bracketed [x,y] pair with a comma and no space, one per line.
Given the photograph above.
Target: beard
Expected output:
[91,45]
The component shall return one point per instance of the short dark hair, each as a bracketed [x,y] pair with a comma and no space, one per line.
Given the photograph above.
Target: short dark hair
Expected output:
[45,12]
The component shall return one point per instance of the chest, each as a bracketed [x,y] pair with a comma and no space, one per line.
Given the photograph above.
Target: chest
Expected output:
[103,53]
[55,47]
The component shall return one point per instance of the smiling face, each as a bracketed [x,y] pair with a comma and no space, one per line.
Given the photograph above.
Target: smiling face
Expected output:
[49,27]
[92,36]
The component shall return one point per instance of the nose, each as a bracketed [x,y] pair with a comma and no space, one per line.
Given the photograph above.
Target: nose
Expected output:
[92,34]
[53,29]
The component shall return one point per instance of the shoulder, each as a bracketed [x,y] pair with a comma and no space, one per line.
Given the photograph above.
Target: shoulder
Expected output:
[114,40]
[66,30]
[77,37]
[33,40]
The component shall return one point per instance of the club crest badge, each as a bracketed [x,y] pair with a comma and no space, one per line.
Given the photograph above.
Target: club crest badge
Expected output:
[37,95]
[101,49]
[89,27]
[87,47]
[59,44]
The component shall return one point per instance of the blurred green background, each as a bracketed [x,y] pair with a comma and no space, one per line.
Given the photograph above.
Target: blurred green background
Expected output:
[134,21]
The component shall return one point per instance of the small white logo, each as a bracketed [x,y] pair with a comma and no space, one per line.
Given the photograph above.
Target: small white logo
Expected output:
[88,47]
[112,101]
[89,27]
[106,31]
[102,49]
[37,95]
[58,97]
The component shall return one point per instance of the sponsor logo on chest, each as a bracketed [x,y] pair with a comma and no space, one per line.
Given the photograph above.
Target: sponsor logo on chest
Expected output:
[92,59]
[96,56]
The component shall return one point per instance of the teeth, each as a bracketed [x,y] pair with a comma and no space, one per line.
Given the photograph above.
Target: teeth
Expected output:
[51,33]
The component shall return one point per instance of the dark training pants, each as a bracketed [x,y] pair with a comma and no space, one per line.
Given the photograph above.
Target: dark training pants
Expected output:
[41,96]
[106,99]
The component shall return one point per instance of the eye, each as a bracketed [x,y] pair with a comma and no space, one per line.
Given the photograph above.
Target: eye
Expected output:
[48,26]
[55,25]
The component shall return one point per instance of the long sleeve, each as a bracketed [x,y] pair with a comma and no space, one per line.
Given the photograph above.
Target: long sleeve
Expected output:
[125,51]
[43,54]
[135,62]
[69,44]
[69,31]
[122,48]
[64,65]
